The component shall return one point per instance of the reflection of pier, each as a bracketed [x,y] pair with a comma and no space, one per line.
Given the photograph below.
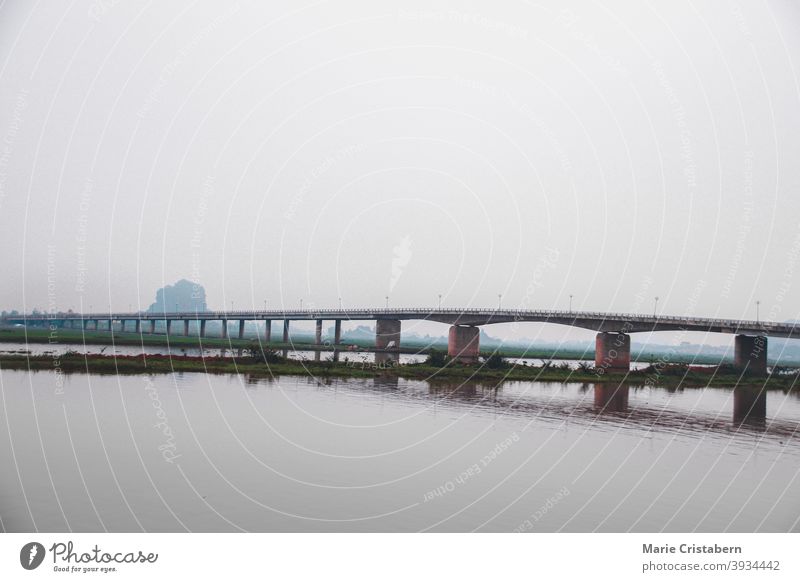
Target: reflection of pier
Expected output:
[749,406]
[611,397]
[609,402]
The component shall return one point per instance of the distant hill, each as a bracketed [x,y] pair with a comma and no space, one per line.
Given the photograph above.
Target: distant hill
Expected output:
[182,296]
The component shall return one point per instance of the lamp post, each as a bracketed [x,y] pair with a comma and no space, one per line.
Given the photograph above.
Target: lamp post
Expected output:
[387,302]
[655,307]
[440,301]
[265,304]
[301,304]
[499,301]
[570,303]
[758,319]
[340,303]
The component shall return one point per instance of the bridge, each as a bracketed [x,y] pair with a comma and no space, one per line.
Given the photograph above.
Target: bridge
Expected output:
[612,347]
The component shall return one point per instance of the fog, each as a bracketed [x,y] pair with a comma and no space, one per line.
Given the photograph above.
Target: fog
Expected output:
[356,150]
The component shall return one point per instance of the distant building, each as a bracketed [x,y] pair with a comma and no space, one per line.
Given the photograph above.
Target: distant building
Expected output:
[182,296]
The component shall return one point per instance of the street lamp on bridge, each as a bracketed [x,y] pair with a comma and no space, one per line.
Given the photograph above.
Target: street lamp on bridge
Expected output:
[440,301]
[570,303]
[387,302]
[655,307]
[499,301]
[758,319]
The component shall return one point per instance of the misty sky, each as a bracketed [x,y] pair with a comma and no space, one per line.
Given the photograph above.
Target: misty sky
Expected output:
[614,151]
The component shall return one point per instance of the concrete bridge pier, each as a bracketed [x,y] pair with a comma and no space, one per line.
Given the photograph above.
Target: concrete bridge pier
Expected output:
[337,338]
[224,328]
[387,358]
[241,328]
[387,334]
[750,354]
[137,325]
[202,328]
[122,325]
[463,343]
[169,326]
[285,331]
[318,333]
[186,327]
[152,326]
[612,352]
[267,331]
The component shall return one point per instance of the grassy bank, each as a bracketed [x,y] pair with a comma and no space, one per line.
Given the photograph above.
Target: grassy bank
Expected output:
[672,376]
[102,338]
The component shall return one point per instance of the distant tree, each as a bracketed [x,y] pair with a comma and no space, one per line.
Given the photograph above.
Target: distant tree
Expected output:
[183,296]
[262,356]
[495,362]
[436,358]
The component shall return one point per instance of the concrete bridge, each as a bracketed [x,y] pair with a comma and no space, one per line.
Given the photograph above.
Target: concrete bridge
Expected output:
[612,351]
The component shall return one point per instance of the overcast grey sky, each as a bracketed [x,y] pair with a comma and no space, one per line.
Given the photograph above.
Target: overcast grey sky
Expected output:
[611,150]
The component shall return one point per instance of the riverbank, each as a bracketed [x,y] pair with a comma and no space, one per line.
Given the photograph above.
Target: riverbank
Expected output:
[68,336]
[673,376]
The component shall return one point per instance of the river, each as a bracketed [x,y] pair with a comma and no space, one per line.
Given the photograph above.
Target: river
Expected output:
[198,452]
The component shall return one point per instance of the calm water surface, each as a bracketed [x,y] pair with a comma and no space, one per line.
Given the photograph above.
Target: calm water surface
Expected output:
[303,355]
[227,453]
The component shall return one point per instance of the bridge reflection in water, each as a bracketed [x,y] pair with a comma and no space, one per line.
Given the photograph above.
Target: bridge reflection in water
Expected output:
[749,406]
[611,397]
[626,407]
[749,403]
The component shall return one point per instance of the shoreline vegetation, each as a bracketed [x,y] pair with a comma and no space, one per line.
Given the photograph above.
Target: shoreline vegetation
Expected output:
[67,336]
[258,363]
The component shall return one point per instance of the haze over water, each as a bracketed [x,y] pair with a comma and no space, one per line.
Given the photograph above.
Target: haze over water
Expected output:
[227,453]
